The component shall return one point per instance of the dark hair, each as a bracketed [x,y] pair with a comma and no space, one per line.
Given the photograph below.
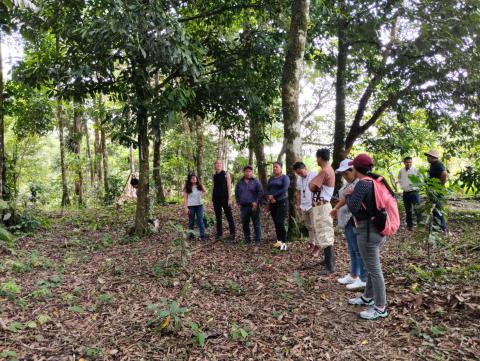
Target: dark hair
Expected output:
[407,158]
[299,165]
[188,184]
[134,182]
[279,163]
[368,172]
[248,166]
[323,153]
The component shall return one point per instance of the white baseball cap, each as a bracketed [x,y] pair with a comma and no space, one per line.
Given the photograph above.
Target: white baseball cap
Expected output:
[344,165]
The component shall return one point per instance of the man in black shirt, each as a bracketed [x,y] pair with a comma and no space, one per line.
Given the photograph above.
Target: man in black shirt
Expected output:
[437,170]
[221,197]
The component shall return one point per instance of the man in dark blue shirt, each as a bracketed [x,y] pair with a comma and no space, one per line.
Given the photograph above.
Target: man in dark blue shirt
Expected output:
[248,193]
[437,170]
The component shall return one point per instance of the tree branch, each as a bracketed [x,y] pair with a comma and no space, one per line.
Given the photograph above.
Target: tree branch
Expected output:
[219,11]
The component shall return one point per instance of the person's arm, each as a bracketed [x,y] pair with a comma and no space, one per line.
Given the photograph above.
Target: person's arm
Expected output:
[339,205]
[237,192]
[443,177]
[354,201]
[317,182]
[185,202]
[229,189]
[298,198]
[259,191]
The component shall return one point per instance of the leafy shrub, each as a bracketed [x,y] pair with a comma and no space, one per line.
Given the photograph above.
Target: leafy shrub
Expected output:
[168,316]
[115,188]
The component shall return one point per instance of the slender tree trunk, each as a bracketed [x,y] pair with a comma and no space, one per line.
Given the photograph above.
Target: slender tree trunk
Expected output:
[256,139]
[63,166]
[76,149]
[2,129]
[340,87]
[200,147]
[188,145]
[104,159]
[97,146]
[292,74]
[160,195]
[219,144]
[89,152]
[131,160]
[143,204]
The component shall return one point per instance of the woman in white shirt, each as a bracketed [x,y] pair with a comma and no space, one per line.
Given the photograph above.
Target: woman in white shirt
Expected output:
[193,203]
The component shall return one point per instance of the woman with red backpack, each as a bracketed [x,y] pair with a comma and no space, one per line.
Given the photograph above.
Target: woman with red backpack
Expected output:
[363,202]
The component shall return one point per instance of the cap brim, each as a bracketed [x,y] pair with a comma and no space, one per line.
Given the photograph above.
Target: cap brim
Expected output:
[350,163]
[342,169]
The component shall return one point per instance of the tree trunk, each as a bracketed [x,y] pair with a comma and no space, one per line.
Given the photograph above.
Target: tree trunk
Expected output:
[103,145]
[76,149]
[200,147]
[97,147]
[2,129]
[143,204]
[89,152]
[188,144]
[257,136]
[160,195]
[340,87]
[131,160]
[292,73]
[63,167]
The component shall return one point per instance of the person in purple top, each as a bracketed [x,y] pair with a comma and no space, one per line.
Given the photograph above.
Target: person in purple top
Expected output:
[277,196]
[248,194]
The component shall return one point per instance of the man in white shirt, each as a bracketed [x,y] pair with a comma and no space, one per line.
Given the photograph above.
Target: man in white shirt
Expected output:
[304,196]
[411,197]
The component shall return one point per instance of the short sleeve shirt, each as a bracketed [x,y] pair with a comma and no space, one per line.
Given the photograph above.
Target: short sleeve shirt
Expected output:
[194,198]
[305,192]
[436,169]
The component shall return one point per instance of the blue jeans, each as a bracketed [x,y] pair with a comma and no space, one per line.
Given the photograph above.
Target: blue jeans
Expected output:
[438,214]
[246,214]
[196,211]
[356,261]
[411,200]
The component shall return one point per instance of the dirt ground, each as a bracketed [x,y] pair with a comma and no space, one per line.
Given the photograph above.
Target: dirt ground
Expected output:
[81,288]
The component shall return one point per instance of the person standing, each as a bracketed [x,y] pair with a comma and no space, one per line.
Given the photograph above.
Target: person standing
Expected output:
[357,277]
[248,194]
[277,197]
[322,187]
[411,196]
[221,197]
[193,203]
[437,170]
[304,196]
[361,203]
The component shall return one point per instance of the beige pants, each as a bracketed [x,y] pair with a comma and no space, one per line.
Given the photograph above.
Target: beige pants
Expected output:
[322,224]
[307,218]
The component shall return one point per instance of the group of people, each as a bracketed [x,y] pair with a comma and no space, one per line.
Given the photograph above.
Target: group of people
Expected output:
[353,212]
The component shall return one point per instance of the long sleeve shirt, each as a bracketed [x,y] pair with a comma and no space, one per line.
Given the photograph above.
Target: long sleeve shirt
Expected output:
[405,181]
[248,191]
[278,187]
[361,197]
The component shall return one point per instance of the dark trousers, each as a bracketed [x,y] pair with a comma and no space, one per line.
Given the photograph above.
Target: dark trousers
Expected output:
[248,214]
[411,200]
[439,215]
[196,211]
[279,211]
[218,206]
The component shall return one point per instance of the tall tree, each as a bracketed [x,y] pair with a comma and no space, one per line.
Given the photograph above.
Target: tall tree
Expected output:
[76,148]
[292,73]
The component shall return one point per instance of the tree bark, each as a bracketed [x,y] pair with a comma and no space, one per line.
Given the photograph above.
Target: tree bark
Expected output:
[97,147]
[256,140]
[103,146]
[76,149]
[160,195]
[200,159]
[292,73]
[89,152]
[2,130]
[63,167]
[131,160]
[188,145]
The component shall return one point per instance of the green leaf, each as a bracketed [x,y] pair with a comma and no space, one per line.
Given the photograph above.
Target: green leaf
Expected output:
[76,309]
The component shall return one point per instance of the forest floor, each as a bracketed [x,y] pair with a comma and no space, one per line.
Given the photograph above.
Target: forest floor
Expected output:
[81,288]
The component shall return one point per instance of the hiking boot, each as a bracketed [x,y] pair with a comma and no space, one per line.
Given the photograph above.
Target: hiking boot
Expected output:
[346,280]
[283,246]
[357,284]
[361,301]
[373,313]
[329,254]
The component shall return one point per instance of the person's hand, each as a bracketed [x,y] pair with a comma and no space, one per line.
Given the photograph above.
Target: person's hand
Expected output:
[273,200]
[270,198]
[254,206]
[334,213]
[298,209]
[348,191]
[187,211]
[230,203]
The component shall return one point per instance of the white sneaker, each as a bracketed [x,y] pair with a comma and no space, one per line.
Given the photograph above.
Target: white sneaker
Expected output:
[346,280]
[283,246]
[357,284]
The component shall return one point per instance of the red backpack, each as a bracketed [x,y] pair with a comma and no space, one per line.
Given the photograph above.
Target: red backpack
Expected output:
[385,217]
